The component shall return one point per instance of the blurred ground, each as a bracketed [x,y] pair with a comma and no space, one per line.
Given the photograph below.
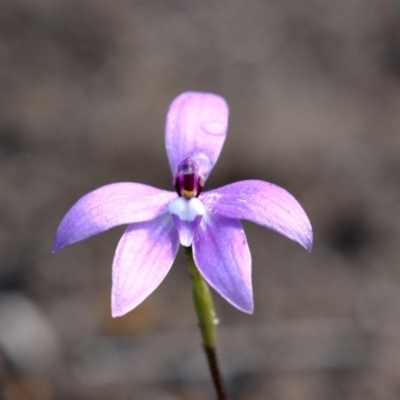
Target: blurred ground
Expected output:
[314,93]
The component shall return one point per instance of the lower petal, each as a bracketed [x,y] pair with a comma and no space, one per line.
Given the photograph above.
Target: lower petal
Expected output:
[223,257]
[143,258]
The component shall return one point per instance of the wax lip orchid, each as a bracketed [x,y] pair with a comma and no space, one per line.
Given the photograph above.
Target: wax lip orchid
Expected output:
[208,221]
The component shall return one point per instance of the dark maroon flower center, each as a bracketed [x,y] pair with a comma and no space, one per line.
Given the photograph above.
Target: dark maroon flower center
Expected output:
[188,180]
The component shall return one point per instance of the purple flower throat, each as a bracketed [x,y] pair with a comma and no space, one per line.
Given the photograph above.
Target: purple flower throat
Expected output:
[188,181]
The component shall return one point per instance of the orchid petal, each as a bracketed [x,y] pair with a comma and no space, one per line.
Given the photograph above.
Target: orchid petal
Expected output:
[186,229]
[186,214]
[196,128]
[265,204]
[110,206]
[222,256]
[143,257]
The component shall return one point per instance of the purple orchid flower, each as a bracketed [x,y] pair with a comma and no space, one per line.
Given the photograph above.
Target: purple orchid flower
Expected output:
[208,221]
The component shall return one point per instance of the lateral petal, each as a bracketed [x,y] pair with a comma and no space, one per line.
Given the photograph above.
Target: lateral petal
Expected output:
[265,204]
[196,127]
[110,206]
[143,257]
[222,256]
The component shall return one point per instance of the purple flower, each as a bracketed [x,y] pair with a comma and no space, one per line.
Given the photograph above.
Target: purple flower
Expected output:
[208,221]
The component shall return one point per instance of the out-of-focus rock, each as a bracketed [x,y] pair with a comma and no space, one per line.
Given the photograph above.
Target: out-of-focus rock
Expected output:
[27,387]
[26,337]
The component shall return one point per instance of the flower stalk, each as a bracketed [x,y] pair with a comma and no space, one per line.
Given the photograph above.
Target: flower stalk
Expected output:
[207,322]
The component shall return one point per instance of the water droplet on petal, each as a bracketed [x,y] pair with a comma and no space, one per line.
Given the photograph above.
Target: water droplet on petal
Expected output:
[214,128]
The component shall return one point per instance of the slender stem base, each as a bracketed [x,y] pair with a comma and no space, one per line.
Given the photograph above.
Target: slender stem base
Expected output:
[207,321]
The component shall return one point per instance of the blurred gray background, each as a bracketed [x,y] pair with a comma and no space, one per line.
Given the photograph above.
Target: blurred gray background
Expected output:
[314,94]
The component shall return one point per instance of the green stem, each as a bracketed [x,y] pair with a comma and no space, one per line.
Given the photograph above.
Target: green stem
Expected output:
[207,320]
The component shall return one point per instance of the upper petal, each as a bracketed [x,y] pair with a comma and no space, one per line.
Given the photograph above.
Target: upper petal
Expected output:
[143,257]
[265,204]
[196,127]
[109,206]
[222,256]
